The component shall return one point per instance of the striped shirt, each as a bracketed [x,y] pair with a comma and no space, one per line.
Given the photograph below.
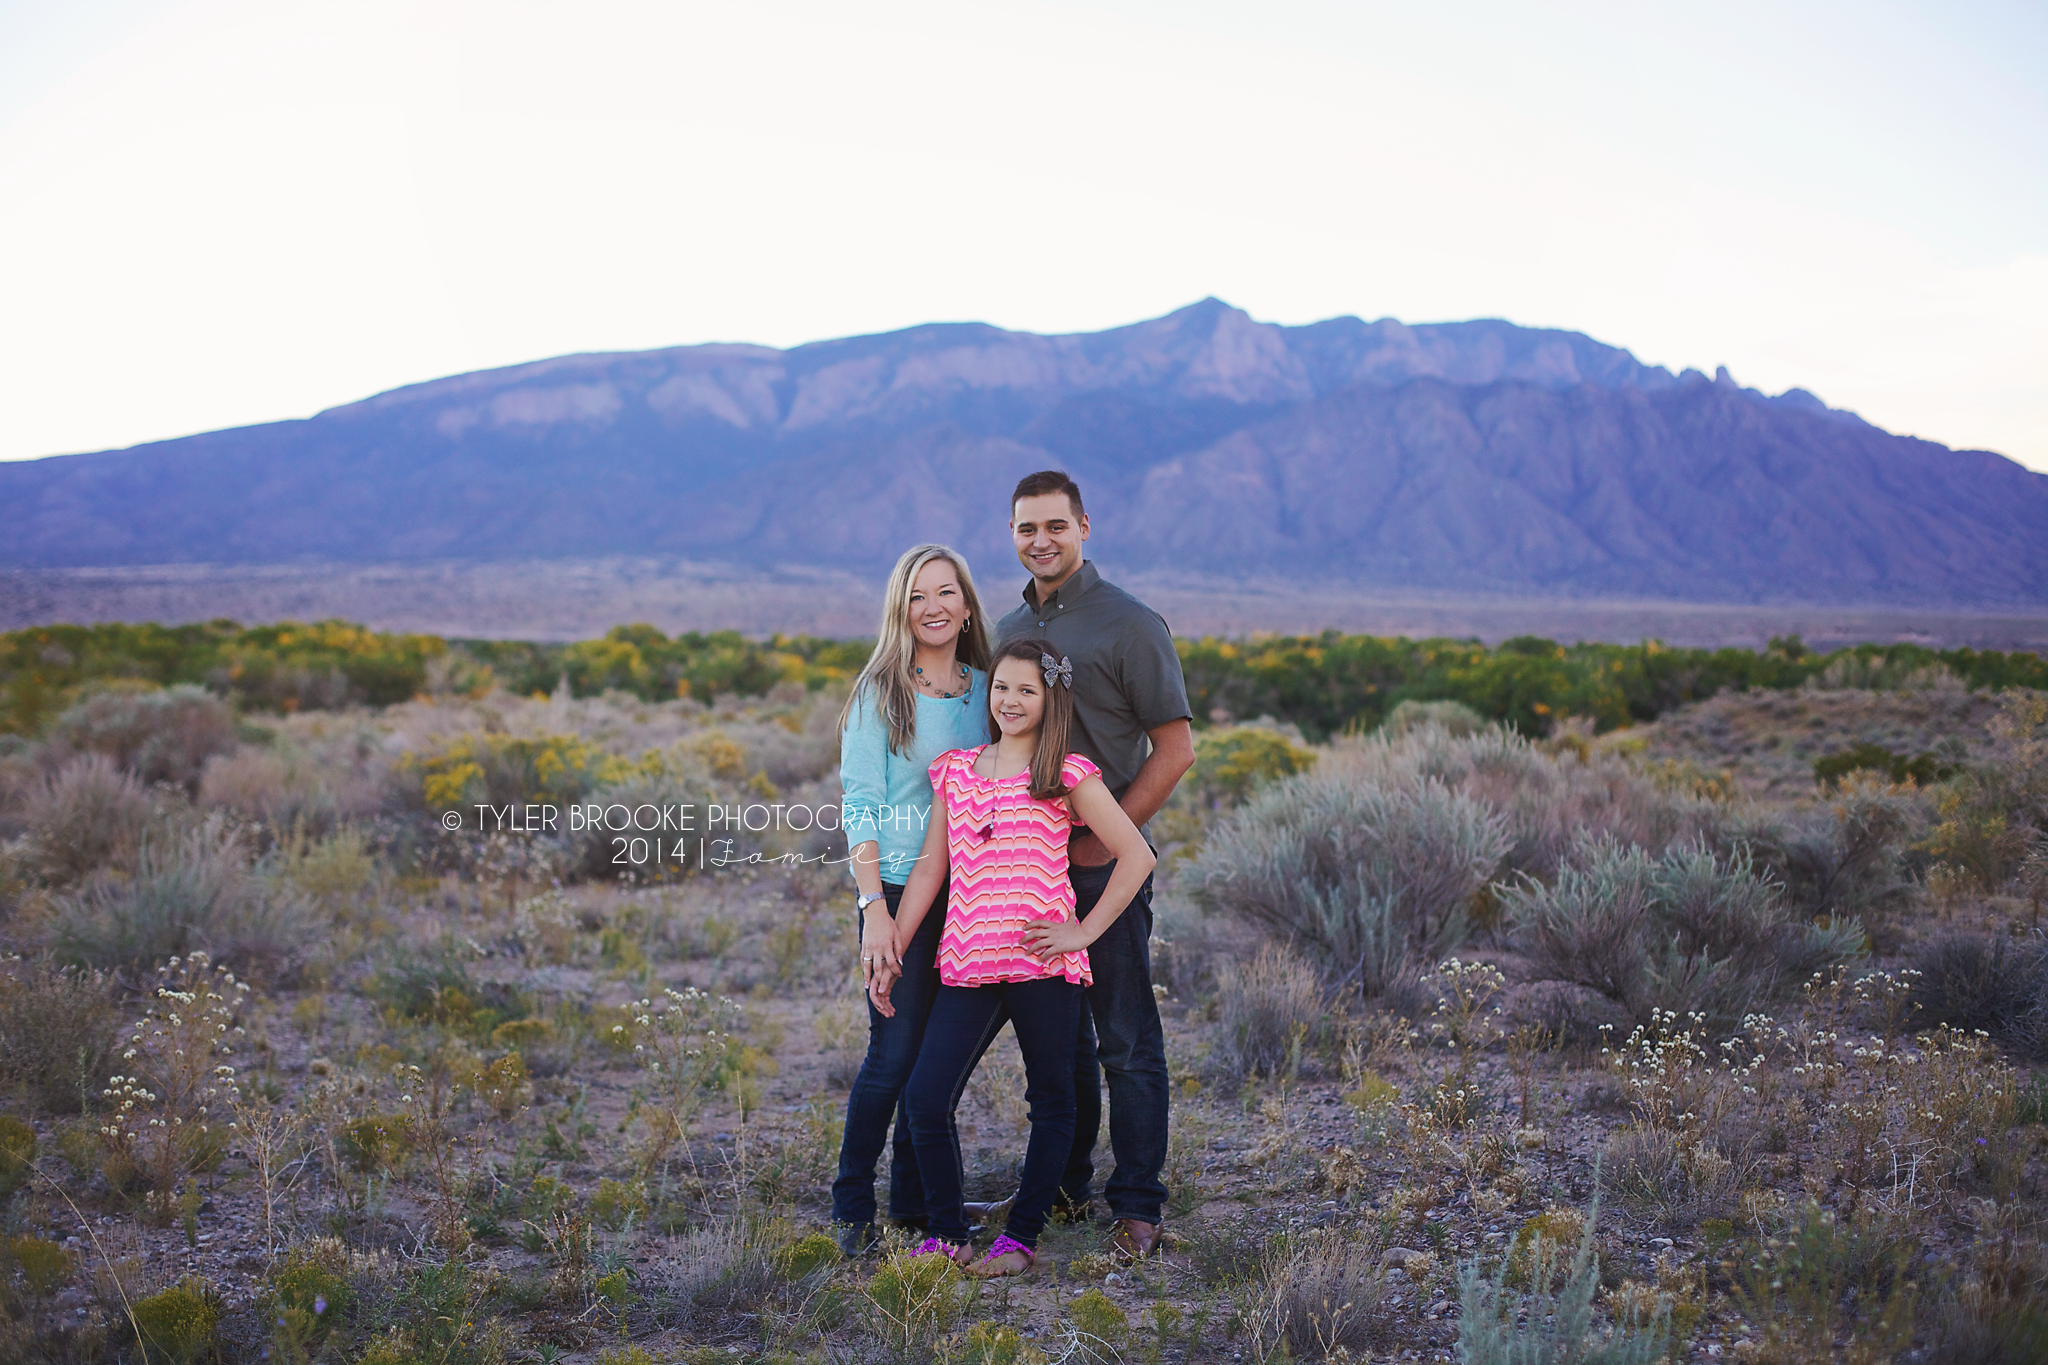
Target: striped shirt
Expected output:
[1008,853]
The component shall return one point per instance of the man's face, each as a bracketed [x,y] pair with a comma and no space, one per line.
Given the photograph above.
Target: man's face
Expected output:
[1048,536]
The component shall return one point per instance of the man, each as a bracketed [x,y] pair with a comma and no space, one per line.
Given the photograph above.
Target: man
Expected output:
[1131,717]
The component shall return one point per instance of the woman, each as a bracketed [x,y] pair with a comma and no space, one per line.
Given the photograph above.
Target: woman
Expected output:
[923,692]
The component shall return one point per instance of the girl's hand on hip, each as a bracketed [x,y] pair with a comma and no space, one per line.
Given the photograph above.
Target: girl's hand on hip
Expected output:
[1047,940]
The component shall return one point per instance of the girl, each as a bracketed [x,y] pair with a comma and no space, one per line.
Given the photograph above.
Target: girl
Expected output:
[1011,949]
[924,691]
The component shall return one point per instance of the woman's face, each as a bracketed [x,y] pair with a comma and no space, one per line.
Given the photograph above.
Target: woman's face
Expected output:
[938,608]
[1016,696]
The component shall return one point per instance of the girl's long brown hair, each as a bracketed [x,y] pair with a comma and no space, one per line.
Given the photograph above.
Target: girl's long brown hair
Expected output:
[1056,723]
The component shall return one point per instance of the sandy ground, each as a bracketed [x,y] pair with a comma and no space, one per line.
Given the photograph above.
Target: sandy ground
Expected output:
[580,599]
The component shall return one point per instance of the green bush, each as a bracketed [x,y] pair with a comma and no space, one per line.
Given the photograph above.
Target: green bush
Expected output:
[1232,763]
[1454,718]
[311,1294]
[1922,769]
[17,1153]
[1996,983]
[1368,877]
[1661,1177]
[1546,1326]
[160,735]
[86,817]
[56,1033]
[1322,1294]
[190,891]
[1844,858]
[178,1325]
[1267,1010]
[1686,932]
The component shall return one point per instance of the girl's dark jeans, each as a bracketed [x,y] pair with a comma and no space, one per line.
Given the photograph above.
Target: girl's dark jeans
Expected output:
[1046,1014]
[892,1052]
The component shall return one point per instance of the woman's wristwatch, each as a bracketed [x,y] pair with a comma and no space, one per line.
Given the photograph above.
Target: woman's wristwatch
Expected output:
[862,900]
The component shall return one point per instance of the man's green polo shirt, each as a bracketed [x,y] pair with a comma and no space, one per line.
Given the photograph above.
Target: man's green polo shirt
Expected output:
[1127,677]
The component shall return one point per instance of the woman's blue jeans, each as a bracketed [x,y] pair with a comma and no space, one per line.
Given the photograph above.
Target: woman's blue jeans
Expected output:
[892,1051]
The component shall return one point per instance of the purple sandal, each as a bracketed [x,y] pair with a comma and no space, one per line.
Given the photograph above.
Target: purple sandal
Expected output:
[934,1246]
[1004,1245]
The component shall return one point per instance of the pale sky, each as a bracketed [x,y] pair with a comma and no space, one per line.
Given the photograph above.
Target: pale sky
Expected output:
[219,212]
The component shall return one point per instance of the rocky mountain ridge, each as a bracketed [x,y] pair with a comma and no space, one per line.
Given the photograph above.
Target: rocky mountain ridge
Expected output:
[1472,456]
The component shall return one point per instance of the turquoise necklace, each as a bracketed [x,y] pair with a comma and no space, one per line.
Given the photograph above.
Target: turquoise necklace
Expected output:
[927,682]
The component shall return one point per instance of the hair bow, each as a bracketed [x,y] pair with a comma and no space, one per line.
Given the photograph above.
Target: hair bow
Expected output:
[1061,669]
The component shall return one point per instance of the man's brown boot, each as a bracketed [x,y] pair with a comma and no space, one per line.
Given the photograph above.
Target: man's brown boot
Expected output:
[1134,1240]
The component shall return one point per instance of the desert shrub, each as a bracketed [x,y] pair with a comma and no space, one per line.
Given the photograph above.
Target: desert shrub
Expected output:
[171,1112]
[1233,762]
[310,1295]
[160,735]
[372,1143]
[332,872]
[914,1302]
[56,1033]
[1366,876]
[1222,1251]
[434,988]
[1999,1312]
[283,790]
[17,1153]
[1822,1274]
[1321,1294]
[1546,802]
[86,816]
[1550,1327]
[1662,1176]
[178,1324]
[1267,1010]
[715,1272]
[462,769]
[195,890]
[1989,816]
[1686,932]
[1846,857]
[1922,770]
[589,854]
[1454,718]
[1991,982]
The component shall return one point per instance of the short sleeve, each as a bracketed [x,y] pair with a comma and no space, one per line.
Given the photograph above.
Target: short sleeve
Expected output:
[1151,675]
[1078,769]
[937,772]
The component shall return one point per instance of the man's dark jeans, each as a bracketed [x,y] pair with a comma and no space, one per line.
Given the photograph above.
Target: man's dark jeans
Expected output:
[1128,1043]
[892,1052]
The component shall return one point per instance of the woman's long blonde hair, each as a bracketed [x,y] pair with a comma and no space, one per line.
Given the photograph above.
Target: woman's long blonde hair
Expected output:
[886,681]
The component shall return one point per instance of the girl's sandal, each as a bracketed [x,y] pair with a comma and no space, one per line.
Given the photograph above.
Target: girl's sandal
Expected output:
[996,1265]
[935,1246]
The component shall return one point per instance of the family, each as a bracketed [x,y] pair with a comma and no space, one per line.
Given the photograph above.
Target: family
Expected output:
[995,797]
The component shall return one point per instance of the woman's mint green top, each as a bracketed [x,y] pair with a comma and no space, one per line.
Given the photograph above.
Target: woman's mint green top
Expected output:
[888,796]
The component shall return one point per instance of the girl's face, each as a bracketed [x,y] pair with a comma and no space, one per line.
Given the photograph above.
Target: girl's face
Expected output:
[1016,697]
[938,608]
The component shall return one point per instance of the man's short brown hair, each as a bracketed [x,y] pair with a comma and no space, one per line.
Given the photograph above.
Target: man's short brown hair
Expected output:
[1047,481]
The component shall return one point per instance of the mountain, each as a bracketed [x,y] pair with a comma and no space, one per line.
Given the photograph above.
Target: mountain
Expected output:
[1472,456]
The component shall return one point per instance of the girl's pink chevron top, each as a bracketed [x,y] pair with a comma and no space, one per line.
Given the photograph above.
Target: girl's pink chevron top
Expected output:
[1009,867]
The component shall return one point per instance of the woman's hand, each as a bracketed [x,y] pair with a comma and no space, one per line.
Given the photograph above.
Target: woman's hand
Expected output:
[1046,940]
[878,954]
